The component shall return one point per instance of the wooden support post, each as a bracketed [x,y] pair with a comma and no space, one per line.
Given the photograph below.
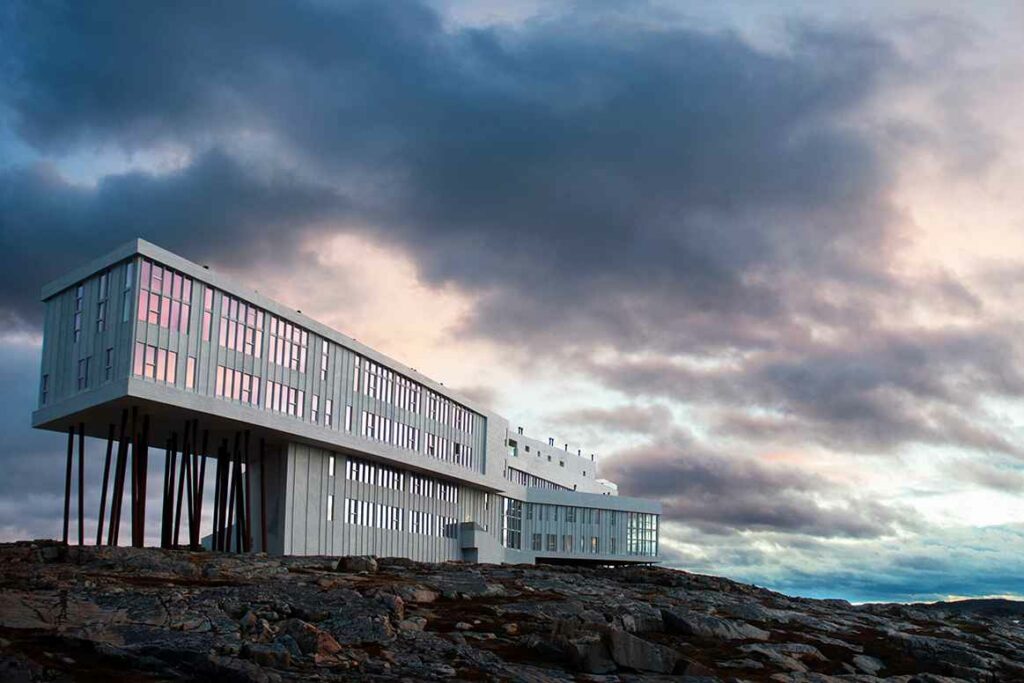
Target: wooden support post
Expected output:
[81,483]
[165,532]
[200,486]
[134,509]
[263,496]
[143,470]
[247,538]
[119,475]
[222,489]
[67,482]
[106,479]
[233,479]
[215,539]
[181,486]
[172,472]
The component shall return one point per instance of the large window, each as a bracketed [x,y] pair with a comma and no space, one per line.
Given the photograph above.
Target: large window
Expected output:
[288,344]
[512,526]
[154,363]
[284,399]
[380,428]
[526,479]
[79,296]
[165,297]
[374,474]
[101,307]
[207,312]
[241,326]
[83,373]
[428,487]
[126,297]
[432,525]
[238,385]
[642,534]
[365,513]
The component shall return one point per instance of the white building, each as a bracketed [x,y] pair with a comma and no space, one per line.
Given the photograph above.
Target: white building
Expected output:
[316,443]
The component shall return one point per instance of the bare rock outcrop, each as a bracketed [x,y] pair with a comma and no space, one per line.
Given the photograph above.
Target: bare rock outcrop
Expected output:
[148,614]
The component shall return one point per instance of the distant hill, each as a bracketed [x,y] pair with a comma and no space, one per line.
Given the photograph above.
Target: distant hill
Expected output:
[982,607]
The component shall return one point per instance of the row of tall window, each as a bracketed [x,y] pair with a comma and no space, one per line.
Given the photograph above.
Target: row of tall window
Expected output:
[238,385]
[393,478]
[284,399]
[165,297]
[445,449]
[430,524]
[384,384]
[381,428]
[365,513]
[642,534]
[155,363]
[288,344]
[372,473]
[428,487]
[82,375]
[569,513]
[314,410]
[103,301]
[531,480]
[549,543]
[241,326]
[448,412]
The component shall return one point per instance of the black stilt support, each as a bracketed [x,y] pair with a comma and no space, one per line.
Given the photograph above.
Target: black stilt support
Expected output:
[134,507]
[263,496]
[222,490]
[67,482]
[181,486]
[247,539]
[81,483]
[139,535]
[119,475]
[200,487]
[168,487]
[233,523]
[106,479]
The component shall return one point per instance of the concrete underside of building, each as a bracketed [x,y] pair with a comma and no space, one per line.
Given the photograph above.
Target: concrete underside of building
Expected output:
[311,442]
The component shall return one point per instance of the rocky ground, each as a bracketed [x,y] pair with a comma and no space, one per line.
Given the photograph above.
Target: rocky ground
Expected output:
[124,614]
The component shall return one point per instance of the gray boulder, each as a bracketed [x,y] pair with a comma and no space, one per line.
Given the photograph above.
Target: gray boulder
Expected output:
[353,564]
[706,626]
[636,653]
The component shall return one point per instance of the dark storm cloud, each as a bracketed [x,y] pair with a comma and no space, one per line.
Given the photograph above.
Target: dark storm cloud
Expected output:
[722,494]
[625,419]
[211,208]
[593,177]
[886,390]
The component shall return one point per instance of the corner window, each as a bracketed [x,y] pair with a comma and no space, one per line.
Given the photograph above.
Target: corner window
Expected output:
[83,373]
[126,295]
[79,295]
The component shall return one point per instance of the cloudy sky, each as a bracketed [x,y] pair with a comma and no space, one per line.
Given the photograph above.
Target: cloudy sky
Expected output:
[765,259]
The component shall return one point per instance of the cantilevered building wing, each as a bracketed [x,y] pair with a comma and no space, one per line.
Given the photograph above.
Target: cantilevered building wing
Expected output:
[299,439]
